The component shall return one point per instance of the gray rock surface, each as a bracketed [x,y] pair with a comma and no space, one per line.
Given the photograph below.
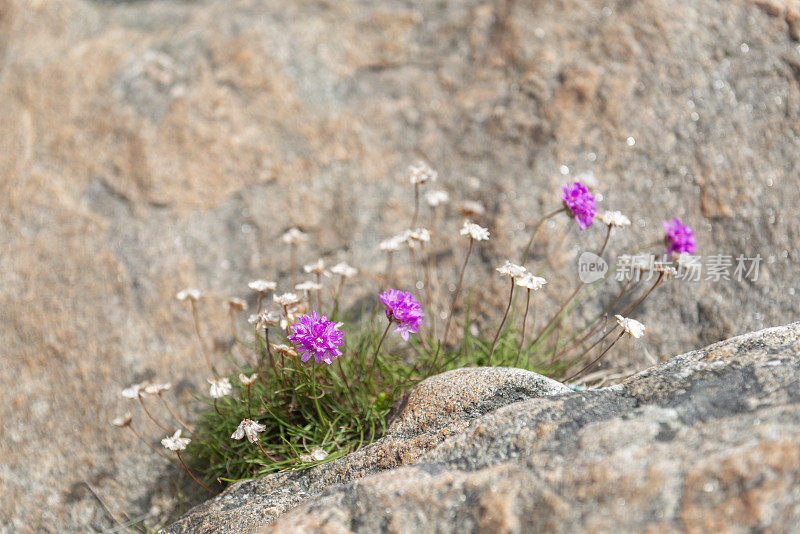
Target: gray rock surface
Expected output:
[147,146]
[706,442]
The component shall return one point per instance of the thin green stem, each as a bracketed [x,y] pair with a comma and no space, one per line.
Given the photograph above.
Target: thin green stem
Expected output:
[455,295]
[378,348]
[524,319]
[500,329]
[536,229]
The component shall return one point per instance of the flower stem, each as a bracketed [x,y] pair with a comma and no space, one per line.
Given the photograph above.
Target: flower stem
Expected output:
[500,329]
[595,360]
[416,207]
[524,319]
[162,427]
[191,474]
[141,438]
[378,348]
[344,377]
[458,289]
[265,452]
[200,337]
[183,424]
[536,229]
[314,392]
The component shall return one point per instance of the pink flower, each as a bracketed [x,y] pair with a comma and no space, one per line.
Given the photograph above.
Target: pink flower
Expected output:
[680,238]
[580,202]
[318,337]
[401,308]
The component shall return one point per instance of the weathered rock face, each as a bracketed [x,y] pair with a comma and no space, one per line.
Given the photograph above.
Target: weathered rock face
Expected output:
[707,442]
[146,146]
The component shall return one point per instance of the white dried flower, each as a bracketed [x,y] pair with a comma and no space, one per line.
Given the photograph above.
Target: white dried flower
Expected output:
[253,319]
[133,392]
[262,286]
[475,231]
[316,268]
[248,380]
[188,294]
[236,304]
[157,389]
[175,442]
[531,281]
[287,299]
[632,327]
[317,455]
[284,350]
[614,218]
[123,421]
[511,269]
[308,285]
[344,270]
[248,428]
[471,208]
[420,234]
[219,387]
[421,172]
[266,319]
[294,236]
[436,198]
[392,244]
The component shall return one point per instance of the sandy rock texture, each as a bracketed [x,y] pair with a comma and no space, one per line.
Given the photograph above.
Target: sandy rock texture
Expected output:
[146,146]
[705,442]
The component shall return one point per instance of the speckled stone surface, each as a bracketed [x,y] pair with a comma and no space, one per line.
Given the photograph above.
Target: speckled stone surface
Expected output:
[707,441]
[147,146]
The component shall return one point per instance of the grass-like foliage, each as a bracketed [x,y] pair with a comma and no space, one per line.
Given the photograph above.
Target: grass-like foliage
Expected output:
[310,382]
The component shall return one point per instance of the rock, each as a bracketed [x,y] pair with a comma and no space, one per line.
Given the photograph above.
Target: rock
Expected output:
[147,146]
[708,441]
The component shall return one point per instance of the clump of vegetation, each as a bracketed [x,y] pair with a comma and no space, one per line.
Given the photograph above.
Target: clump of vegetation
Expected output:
[312,382]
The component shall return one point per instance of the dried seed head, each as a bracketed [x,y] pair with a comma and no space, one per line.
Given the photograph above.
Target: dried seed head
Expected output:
[392,244]
[175,442]
[631,327]
[133,392]
[344,270]
[220,387]
[475,231]
[530,281]
[316,268]
[188,294]
[511,270]
[284,350]
[421,172]
[308,285]
[614,218]
[266,319]
[236,304]
[420,234]
[470,208]
[248,381]
[287,299]
[124,420]
[294,236]
[436,198]
[262,286]
[248,428]
[157,389]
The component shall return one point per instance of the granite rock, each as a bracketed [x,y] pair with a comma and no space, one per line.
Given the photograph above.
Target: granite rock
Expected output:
[708,441]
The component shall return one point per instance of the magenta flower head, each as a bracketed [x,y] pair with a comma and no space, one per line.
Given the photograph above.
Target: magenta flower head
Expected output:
[680,238]
[580,202]
[316,336]
[401,308]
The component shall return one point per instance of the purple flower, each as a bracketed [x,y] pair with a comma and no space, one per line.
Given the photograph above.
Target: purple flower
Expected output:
[316,336]
[680,238]
[401,308]
[580,202]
